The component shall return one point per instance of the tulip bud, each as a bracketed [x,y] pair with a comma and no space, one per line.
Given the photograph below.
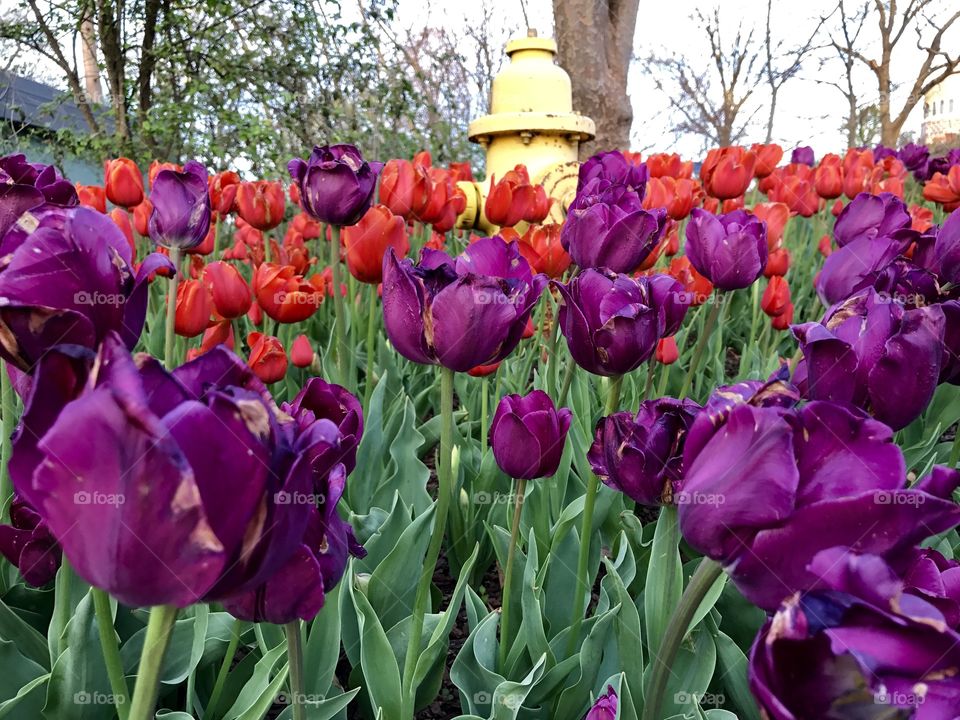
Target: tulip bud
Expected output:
[301,352]
[368,240]
[181,207]
[730,250]
[727,172]
[776,297]
[93,197]
[193,308]
[667,352]
[229,291]
[123,182]
[527,435]
[778,262]
[825,246]
[267,358]
[605,708]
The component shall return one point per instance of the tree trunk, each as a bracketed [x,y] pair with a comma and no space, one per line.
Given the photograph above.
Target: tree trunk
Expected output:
[595,41]
[91,71]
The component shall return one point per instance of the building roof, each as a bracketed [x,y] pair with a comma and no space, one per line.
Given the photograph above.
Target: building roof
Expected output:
[30,103]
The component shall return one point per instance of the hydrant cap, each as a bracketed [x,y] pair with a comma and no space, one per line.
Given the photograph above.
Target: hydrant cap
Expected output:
[531,43]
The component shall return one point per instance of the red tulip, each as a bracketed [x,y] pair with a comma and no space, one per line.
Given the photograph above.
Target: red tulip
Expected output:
[944,189]
[825,246]
[768,156]
[461,172]
[776,215]
[513,199]
[223,192]
[194,308]
[784,320]
[92,196]
[141,217]
[261,204]
[667,353]
[483,370]
[267,358]
[828,177]
[694,284]
[541,247]
[727,172]
[229,291]
[123,183]
[669,165]
[776,297]
[403,188]
[283,294]
[301,352]
[220,333]
[156,166]
[122,220]
[367,242]
[778,262]
[922,218]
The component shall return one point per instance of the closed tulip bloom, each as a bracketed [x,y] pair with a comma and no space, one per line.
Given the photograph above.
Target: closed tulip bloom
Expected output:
[403,188]
[605,708]
[784,320]
[462,312]
[229,291]
[727,172]
[642,455]
[223,192]
[872,352]
[768,157]
[541,247]
[829,476]
[668,165]
[283,294]
[667,352]
[193,308]
[729,250]
[366,243]
[70,281]
[267,358]
[607,227]
[121,219]
[27,544]
[181,207]
[776,297]
[855,266]
[803,155]
[93,197]
[336,184]
[123,182]
[828,177]
[145,504]
[156,167]
[778,262]
[612,322]
[615,168]
[857,646]
[513,199]
[527,435]
[261,204]
[301,352]
[871,216]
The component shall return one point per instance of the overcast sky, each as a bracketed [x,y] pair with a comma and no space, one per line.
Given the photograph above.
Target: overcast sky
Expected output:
[807,112]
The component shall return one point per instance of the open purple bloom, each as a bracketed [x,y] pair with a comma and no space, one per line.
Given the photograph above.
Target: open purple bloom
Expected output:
[528,434]
[729,250]
[25,186]
[336,184]
[857,264]
[882,151]
[803,155]
[870,216]
[605,708]
[612,322]
[771,487]
[145,502]
[462,312]
[943,163]
[934,578]
[872,352]
[856,647]
[614,167]
[70,282]
[642,455]
[327,402]
[915,158]
[607,227]
[181,207]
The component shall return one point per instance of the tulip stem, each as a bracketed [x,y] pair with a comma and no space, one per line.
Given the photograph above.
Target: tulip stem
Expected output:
[171,308]
[372,312]
[444,494]
[484,413]
[508,574]
[651,371]
[703,579]
[567,381]
[235,631]
[111,652]
[582,589]
[955,450]
[701,344]
[7,417]
[295,661]
[338,308]
[159,628]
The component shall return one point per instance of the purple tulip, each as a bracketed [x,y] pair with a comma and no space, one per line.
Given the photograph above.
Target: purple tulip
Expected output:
[871,216]
[943,163]
[607,227]
[915,158]
[729,250]
[320,401]
[463,312]
[145,502]
[181,207]
[882,151]
[942,256]
[642,455]
[858,264]
[934,578]
[336,184]
[70,282]
[614,167]
[873,353]
[28,545]
[767,487]
[527,435]
[803,155]
[612,322]
[857,647]
[605,708]
[25,186]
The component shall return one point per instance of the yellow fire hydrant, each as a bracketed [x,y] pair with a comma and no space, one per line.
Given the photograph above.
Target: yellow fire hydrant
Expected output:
[531,122]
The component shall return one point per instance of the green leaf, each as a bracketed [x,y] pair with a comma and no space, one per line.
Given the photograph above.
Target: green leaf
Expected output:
[379,664]
[17,670]
[28,702]
[575,698]
[733,673]
[325,709]
[321,652]
[711,596]
[259,692]
[509,696]
[629,642]
[664,584]
[29,642]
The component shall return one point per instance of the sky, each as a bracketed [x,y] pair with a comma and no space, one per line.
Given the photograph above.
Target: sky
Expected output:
[808,112]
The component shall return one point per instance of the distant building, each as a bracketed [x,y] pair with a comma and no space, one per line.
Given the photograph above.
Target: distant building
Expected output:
[31,115]
[941,112]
